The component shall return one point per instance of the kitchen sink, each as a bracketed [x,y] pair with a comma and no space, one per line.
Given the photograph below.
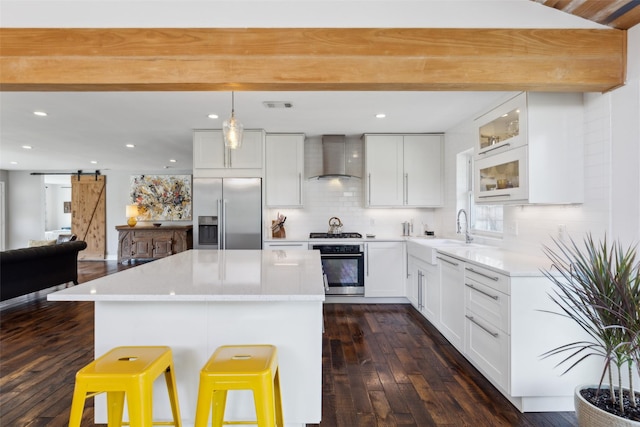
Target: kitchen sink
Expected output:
[427,249]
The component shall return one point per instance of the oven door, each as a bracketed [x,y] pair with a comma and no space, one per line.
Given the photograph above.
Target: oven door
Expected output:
[344,273]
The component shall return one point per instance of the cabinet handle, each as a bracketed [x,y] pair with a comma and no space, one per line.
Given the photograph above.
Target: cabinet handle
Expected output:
[273,245]
[494,278]
[369,188]
[406,188]
[420,290]
[494,195]
[495,297]
[447,261]
[484,328]
[299,188]
[508,144]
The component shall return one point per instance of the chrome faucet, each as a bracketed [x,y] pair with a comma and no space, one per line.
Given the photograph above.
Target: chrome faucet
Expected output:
[467,236]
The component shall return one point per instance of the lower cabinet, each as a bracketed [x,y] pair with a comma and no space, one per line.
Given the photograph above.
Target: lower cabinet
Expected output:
[487,339]
[423,290]
[451,323]
[152,242]
[384,269]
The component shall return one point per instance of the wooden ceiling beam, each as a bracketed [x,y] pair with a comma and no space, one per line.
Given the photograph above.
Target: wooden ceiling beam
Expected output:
[306,59]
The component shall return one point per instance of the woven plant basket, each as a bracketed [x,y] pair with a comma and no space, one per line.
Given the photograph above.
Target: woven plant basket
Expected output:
[591,416]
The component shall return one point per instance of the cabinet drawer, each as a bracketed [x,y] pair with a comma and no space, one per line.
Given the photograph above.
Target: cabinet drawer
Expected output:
[490,304]
[488,349]
[490,278]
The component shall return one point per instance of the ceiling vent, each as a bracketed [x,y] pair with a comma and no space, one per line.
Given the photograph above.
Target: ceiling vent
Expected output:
[277,104]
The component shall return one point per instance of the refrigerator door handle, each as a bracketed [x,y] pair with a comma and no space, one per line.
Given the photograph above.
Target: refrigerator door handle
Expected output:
[220,224]
[224,223]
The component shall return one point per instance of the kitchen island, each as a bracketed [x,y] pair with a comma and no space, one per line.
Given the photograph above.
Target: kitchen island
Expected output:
[197,300]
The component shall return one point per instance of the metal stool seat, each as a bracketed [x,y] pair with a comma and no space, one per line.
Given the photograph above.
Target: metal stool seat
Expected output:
[242,367]
[130,372]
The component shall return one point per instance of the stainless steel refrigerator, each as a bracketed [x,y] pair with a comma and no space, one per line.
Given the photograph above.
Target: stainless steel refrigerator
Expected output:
[227,213]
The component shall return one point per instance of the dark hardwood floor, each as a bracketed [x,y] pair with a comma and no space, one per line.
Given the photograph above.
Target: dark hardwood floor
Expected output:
[383,365]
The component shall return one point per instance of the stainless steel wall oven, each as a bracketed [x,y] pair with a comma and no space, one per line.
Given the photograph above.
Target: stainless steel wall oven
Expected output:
[343,266]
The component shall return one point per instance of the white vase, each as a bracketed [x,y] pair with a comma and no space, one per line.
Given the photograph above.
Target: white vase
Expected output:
[591,416]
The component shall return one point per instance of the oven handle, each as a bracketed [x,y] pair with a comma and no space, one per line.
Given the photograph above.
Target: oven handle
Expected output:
[341,255]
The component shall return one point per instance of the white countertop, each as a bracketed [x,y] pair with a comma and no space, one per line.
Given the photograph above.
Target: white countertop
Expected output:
[501,260]
[210,275]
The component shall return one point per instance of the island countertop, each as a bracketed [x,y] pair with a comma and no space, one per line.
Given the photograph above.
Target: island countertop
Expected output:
[210,275]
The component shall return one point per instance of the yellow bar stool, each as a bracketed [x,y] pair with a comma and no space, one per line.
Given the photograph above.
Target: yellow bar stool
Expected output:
[128,371]
[241,367]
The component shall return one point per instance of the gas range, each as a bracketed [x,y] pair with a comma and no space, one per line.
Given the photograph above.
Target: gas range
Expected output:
[335,236]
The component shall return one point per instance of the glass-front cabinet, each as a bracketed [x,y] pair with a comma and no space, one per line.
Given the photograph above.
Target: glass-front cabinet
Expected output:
[502,128]
[502,177]
[529,150]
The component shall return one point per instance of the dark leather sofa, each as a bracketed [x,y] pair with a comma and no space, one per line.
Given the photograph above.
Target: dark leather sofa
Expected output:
[27,270]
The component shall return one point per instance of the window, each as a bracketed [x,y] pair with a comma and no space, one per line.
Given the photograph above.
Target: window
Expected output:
[483,219]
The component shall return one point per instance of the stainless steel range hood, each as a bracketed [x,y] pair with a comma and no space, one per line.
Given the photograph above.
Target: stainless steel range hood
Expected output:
[334,157]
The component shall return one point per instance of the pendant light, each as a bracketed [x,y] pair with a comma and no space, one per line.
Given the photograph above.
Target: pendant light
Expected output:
[232,129]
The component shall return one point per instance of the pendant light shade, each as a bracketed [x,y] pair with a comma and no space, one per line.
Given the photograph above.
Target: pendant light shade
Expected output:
[232,129]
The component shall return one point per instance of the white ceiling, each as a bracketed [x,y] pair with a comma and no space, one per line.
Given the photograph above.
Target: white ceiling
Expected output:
[83,127]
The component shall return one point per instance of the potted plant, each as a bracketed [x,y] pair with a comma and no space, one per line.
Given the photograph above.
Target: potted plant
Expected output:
[598,287]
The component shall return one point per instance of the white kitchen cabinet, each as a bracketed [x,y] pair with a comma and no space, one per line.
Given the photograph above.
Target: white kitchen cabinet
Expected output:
[452,300]
[284,170]
[530,150]
[209,151]
[487,312]
[423,288]
[414,283]
[403,170]
[286,245]
[384,269]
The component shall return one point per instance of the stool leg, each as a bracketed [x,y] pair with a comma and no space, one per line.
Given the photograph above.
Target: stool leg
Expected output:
[203,406]
[173,395]
[276,383]
[219,405]
[77,404]
[140,402]
[115,408]
[265,405]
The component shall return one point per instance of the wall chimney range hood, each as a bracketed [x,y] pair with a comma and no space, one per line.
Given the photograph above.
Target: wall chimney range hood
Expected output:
[334,158]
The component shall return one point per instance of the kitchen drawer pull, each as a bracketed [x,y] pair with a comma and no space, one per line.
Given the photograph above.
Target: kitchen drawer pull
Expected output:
[494,278]
[490,332]
[495,297]
[273,245]
[447,261]
[494,195]
[496,148]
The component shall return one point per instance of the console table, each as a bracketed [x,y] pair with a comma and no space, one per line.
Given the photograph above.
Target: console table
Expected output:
[148,242]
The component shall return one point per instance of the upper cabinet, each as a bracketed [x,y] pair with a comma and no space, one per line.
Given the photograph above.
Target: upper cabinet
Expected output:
[529,150]
[403,170]
[284,170]
[209,153]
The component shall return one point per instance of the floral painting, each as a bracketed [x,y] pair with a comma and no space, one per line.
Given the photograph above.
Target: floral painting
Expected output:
[162,197]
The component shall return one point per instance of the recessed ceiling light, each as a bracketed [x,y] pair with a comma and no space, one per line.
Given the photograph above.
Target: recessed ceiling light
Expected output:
[172,160]
[130,146]
[40,113]
[27,147]
[381,116]
[213,116]
[94,162]
[14,163]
